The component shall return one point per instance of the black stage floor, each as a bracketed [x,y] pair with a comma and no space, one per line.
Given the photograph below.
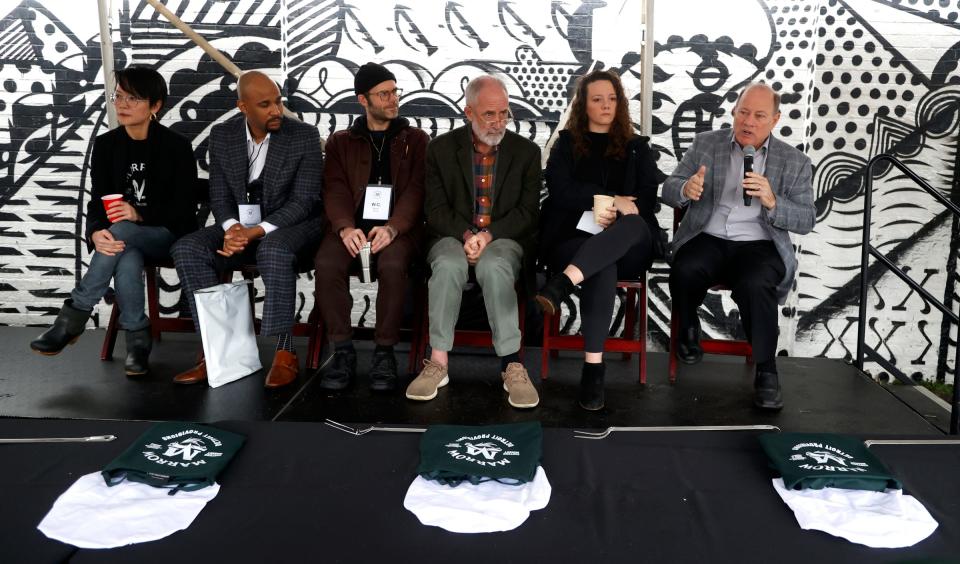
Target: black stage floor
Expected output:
[821,395]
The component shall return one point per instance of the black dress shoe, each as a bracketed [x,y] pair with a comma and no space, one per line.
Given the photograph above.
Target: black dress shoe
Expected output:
[766,391]
[689,350]
[383,373]
[340,373]
[553,293]
[139,344]
[591,386]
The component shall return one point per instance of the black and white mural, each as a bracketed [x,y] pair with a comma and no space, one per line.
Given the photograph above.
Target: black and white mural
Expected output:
[858,78]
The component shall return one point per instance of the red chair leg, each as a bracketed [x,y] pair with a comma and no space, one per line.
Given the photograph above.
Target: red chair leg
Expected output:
[110,339]
[153,302]
[315,323]
[423,340]
[545,351]
[630,318]
[554,330]
[642,337]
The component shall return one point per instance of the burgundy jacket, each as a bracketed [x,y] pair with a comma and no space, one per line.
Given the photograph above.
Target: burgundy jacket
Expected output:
[347,173]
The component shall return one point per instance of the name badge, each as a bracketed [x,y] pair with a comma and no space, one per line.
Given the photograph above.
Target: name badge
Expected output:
[588,224]
[376,202]
[249,214]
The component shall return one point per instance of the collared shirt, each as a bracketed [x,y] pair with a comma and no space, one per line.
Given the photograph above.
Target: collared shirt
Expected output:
[732,220]
[256,155]
[484,172]
[256,159]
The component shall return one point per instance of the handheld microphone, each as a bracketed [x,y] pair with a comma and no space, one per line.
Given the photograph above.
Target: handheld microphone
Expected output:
[748,153]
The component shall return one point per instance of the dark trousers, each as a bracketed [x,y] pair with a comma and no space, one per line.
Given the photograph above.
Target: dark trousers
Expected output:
[392,265]
[623,251]
[751,269]
[277,257]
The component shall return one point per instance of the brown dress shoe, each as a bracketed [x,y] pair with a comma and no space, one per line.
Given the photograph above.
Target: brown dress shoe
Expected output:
[284,370]
[195,375]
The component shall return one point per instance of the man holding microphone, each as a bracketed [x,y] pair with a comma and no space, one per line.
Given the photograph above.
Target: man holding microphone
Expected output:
[736,230]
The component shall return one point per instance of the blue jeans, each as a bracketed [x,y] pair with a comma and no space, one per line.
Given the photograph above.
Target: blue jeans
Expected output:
[126,269]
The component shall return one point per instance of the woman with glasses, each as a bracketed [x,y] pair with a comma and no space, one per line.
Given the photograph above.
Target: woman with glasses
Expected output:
[597,154]
[142,200]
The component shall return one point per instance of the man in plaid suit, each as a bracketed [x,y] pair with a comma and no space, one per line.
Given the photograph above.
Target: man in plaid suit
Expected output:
[265,178]
[736,230]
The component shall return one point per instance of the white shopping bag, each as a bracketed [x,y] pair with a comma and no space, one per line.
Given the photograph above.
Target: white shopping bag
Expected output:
[226,327]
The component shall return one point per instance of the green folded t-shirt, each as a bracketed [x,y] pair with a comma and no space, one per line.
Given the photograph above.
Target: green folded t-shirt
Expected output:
[182,456]
[822,460]
[453,454]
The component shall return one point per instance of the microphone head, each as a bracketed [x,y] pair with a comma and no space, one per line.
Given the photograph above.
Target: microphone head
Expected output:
[749,151]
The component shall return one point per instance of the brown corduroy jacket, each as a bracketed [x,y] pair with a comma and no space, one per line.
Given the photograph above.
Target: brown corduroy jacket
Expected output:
[347,173]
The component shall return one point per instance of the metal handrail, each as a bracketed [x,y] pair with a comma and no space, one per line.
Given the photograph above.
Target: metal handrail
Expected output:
[869,250]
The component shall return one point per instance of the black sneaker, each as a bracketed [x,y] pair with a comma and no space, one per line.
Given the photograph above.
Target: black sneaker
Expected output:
[383,373]
[339,373]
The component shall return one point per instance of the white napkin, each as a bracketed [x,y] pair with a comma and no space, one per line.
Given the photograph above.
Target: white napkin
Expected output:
[886,519]
[91,514]
[477,508]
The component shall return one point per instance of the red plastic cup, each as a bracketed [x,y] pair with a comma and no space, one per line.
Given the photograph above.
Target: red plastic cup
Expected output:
[108,200]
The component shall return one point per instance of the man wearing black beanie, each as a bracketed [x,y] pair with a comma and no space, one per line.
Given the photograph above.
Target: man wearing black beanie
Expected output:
[373,194]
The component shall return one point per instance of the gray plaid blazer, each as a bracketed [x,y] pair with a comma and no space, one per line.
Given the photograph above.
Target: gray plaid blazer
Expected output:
[292,175]
[790,175]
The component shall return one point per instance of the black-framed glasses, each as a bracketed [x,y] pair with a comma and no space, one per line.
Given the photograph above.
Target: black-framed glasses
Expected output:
[386,95]
[130,99]
[495,118]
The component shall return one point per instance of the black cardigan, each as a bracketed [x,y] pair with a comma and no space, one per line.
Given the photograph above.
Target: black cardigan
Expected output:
[569,197]
[170,180]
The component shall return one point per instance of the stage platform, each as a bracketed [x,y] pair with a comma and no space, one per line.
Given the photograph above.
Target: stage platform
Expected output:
[821,395]
[301,491]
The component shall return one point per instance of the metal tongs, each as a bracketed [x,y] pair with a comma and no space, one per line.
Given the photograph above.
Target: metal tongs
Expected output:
[358,432]
[92,439]
[604,434]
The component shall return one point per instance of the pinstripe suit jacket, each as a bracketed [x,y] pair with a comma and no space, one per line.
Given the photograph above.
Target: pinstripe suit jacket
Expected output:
[292,175]
[789,173]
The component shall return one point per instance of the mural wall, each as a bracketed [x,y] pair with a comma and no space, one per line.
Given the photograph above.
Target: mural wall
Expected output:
[858,78]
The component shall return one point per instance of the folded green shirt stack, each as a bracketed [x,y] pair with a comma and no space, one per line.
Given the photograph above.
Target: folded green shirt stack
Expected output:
[453,454]
[822,460]
[182,456]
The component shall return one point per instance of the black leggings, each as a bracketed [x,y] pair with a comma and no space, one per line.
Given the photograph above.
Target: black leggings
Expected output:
[623,251]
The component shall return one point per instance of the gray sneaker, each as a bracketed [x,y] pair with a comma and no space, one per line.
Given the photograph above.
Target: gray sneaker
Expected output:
[521,392]
[424,386]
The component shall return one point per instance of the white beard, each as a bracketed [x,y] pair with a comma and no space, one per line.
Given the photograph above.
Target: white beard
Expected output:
[491,139]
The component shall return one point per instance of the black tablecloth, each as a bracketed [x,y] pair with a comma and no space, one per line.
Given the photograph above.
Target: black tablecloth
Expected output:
[304,492]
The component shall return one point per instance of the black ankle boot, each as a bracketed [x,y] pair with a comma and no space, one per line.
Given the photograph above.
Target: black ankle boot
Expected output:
[557,289]
[591,386]
[66,328]
[689,350]
[766,391]
[139,344]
